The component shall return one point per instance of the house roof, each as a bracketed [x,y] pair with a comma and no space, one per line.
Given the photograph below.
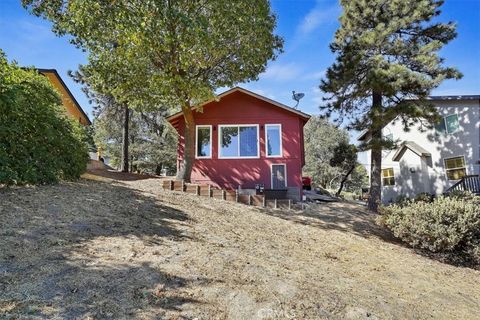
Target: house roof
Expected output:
[464,97]
[418,150]
[239,89]
[70,95]
[364,134]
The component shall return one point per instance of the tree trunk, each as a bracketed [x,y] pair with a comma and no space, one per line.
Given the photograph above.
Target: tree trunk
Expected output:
[375,196]
[185,170]
[126,118]
[345,177]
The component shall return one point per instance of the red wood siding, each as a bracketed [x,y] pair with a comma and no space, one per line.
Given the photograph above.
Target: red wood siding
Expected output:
[241,108]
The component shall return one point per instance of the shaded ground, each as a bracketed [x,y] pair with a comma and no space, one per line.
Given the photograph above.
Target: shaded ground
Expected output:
[127,249]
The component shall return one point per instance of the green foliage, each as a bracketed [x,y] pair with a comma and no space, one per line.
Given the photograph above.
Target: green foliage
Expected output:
[321,139]
[461,194]
[167,52]
[358,180]
[447,225]
[344,156]
[329,156]
[424,196]
[150,53]
[152,141]
[386,65]
[391,48]
[38,143]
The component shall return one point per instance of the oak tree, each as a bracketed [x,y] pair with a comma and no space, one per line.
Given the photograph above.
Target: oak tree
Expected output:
[173,53]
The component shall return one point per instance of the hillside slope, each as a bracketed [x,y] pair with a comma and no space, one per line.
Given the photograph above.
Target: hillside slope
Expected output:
[126,249]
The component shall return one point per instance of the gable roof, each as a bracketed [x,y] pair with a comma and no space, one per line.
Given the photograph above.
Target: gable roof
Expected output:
[250,93]
[418,150]
[69,93]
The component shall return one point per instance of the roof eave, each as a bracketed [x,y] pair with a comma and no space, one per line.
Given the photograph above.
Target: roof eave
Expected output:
[302,115]
[54,71]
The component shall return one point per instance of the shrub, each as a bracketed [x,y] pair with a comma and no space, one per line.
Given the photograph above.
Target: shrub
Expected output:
[38,143]
[461,194]
[447,224]
[424,196]
[402,200]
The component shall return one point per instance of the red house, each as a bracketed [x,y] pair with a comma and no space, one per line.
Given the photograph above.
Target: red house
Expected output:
[244,141]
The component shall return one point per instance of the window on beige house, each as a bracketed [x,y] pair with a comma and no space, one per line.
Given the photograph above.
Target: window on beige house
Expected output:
[388,178]
[455,168]
[448,125]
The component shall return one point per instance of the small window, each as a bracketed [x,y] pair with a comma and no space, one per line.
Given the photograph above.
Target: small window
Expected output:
[204,142]
[239,141]
[440,127]
[273,139]
[388,178]
[455,168]
[451,123]
[448,125]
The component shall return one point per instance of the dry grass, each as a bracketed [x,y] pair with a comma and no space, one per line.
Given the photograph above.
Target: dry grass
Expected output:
[126,249]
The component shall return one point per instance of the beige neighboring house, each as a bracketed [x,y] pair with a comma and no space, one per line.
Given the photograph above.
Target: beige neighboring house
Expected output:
[434,160]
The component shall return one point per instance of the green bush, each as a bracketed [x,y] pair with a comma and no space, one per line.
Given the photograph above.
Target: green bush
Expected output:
[447,225]
[424,196]
[38,143]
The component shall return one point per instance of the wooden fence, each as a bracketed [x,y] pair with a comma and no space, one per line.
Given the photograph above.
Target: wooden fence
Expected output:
[227,195]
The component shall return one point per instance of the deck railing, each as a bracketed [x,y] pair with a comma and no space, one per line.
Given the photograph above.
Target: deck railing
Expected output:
[468,183]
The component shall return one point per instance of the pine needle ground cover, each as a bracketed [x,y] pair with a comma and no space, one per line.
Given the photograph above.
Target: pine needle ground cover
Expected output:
[110,249]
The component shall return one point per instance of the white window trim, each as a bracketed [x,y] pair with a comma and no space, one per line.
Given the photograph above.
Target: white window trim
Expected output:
[196,141]
[271,173]
[281,140]
[446,126]
[239,126]
[445,166]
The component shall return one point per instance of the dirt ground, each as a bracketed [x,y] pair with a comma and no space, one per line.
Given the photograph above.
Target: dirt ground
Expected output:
[118,247]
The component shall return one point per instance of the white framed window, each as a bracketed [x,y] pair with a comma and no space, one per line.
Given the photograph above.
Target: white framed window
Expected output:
[203,142]
[273,140]
[455,168]
[449,124]
[238,141]
[388,177]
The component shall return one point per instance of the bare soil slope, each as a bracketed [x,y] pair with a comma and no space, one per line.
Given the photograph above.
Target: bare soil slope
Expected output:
[123,248]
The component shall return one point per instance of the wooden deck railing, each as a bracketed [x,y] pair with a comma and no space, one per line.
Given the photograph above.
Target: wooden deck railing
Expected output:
[468,183]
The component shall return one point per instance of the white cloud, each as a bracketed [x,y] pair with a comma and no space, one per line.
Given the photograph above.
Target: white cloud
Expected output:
[281,72]
[34,32]
[315,75]
[317,96]
[318,16]
[264,93]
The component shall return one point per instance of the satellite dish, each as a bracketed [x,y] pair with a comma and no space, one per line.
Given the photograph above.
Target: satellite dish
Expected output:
[297,97]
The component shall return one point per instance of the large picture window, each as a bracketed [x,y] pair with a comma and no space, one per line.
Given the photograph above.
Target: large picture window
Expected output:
[238,141]
[455,168]
[204,142]
[388,178]
[273,133]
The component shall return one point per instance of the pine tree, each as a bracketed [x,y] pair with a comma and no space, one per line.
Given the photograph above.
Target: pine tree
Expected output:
[386,65]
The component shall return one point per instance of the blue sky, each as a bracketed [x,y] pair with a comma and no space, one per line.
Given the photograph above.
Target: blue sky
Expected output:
[307,27]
